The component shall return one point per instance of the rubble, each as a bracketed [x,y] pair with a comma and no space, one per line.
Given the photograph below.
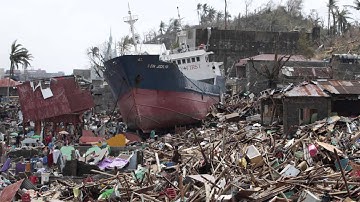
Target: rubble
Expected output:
[230,157]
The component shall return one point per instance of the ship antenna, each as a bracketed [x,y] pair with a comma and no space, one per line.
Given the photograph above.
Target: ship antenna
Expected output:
[131,19]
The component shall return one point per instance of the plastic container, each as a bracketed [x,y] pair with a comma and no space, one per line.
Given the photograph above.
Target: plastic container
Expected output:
[33,179]
[312,150]
[45,178]
[28,167]
[25,197]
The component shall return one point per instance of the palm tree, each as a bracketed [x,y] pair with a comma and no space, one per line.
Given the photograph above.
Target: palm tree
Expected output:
[174,26]
[356,5]
[125,44]
[219,17]
[204,13]
[211,14]
[342,20]
[18,55]
[162,27]
[205,9]
[96,59]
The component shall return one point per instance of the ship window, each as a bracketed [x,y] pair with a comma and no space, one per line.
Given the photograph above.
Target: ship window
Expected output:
[192,59]
[188,60]
[174,61]
[198,59]
[179,62]
[183,61]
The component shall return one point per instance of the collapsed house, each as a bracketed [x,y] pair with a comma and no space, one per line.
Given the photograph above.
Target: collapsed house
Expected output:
[59,99]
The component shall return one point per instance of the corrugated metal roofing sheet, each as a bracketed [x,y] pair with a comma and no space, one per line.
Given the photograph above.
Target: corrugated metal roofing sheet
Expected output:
[9,192]
[307,90]
[5,83]
[312,72]
[89,137]
[68,98]
[340,87]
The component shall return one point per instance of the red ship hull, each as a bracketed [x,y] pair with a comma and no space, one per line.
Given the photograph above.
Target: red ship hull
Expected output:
[146,109]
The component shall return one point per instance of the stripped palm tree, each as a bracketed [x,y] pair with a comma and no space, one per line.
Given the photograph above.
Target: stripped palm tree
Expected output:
[19,55]
[332,6]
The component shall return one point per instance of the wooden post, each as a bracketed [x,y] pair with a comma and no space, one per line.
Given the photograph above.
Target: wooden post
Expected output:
[342,172]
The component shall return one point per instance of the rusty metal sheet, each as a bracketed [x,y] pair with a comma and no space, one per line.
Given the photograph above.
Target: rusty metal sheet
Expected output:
[340,87]
[89,137]
[68,98]
[9,192]
[307,90]
[66,118]
[5,83]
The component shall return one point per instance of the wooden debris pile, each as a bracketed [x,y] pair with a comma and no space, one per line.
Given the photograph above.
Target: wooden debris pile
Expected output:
[231,159]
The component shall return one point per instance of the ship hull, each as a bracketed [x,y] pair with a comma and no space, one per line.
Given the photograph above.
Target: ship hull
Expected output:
[153,94]
[153,109]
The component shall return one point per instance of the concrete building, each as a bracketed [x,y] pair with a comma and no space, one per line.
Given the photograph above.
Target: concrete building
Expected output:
[32,74]
[229,45]
[83,73]
[261,72]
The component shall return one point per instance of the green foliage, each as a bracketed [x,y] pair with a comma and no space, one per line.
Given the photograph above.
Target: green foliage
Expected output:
[19,55]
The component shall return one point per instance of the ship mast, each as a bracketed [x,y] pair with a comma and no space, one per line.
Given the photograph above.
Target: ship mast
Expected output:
[131,19]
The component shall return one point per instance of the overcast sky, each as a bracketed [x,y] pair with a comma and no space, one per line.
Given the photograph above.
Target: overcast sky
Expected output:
[58,32]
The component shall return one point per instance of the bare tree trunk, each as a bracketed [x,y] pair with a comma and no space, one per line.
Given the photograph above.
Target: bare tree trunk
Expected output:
[10,75]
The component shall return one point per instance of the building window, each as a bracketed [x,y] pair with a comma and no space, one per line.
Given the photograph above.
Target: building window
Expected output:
[198,59]
[188,60]
[179,62]
[192,59]
[307,116]
[183,61]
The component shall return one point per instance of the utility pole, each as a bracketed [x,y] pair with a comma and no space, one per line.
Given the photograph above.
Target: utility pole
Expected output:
[225,15]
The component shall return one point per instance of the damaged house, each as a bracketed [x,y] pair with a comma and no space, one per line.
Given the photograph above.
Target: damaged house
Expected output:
[309,102]
[264,71]
[56,100]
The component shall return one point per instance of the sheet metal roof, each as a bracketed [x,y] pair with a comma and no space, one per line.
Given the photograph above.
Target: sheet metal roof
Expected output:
[307,90]
[313,72]
[340,87]
[9,192]
[68,98]
[6,81]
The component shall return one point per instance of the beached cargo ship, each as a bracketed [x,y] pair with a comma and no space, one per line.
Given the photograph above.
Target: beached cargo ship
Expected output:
[153,94]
